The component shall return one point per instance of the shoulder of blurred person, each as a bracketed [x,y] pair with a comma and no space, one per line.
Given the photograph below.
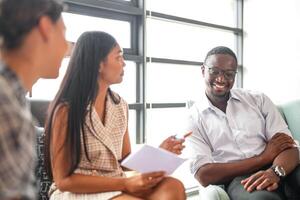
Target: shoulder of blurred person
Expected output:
[32,46]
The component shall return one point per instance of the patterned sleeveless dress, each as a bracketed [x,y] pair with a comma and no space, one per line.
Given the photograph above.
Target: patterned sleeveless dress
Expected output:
[104,147]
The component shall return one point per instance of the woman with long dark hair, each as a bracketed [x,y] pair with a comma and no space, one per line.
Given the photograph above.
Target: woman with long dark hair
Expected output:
[87,131]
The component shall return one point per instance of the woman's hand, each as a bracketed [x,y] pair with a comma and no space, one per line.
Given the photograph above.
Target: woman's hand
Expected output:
[143,182]
[173,144]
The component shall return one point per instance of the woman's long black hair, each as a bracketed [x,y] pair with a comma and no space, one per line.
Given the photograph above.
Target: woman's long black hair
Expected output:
[78,90]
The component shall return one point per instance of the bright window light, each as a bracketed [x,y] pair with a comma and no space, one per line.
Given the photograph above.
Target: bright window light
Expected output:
[212,11]
[170,83]
[184,42]
[119,29]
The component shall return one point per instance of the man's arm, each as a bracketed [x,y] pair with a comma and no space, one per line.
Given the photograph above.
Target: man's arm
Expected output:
[288,159]
[218,173]
[267,179]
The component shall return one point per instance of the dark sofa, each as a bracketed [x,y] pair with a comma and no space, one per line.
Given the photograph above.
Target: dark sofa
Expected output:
[39,110]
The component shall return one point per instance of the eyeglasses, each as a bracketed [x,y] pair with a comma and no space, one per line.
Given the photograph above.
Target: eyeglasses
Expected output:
[228,74]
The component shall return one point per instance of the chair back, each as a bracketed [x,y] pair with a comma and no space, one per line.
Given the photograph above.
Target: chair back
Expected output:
[291,112]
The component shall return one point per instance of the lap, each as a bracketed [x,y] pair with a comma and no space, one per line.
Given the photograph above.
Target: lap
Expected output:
[289,188]
[169,188]
[58,195]
[125,197]
[292,184]
[293,178]
[236,191]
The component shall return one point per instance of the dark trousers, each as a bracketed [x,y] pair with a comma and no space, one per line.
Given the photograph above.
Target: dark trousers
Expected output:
[289,189]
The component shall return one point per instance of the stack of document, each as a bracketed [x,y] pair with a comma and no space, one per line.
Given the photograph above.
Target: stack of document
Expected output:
[151,159]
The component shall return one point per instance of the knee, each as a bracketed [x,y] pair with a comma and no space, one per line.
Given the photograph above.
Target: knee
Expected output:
[172,189]
[264,195]
[295,177]
[213,192]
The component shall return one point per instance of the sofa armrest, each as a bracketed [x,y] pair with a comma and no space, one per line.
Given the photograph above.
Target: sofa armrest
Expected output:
[291,113]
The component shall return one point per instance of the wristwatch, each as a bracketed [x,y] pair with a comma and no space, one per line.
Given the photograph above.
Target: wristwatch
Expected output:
[279,171]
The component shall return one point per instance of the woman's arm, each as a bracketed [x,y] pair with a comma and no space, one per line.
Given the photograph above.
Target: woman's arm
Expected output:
[78,183]
[126,150]
[61,163]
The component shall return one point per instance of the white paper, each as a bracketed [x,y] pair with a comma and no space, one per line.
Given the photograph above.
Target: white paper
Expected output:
[151,159]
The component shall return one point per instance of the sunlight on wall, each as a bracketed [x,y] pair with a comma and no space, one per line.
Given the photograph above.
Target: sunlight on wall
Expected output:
[271,48]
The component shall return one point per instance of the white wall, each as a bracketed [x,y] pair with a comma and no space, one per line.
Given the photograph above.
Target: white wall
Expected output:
[272,48]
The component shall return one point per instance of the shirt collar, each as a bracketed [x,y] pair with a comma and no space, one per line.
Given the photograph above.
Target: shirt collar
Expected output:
[233,95]
[204,103]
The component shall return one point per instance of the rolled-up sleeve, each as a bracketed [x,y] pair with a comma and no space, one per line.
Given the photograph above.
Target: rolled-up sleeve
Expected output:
[274,120]
[199,150]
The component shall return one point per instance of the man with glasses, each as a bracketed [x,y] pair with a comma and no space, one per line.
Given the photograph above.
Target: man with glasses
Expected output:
[240,140]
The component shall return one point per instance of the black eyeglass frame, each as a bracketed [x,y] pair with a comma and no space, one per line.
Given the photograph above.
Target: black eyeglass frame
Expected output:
[215,71]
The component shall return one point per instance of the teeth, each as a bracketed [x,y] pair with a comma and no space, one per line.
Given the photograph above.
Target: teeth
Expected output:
[220,86]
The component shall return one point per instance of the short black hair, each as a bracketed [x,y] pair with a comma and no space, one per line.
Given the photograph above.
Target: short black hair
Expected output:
[18,17]
[220,50]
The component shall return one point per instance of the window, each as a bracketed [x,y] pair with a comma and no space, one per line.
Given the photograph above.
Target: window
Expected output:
[163,50]
[98,16]
[177,43]
[45,89]
[173,83]
[162,123]
[188,42]
[126,89]
[178,36]
[211,11]
[88,23]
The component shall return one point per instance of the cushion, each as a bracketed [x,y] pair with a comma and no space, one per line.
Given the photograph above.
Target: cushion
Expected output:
[43,180]
[39,110]
[291,111]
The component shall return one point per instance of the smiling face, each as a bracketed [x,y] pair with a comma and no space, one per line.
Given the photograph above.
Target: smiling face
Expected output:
[112,68]
[218,85]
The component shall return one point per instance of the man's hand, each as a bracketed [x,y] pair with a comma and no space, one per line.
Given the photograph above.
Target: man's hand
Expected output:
[262,180]
[278,143]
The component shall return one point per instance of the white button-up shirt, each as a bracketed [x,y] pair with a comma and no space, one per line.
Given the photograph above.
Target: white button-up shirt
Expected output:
[251,119]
